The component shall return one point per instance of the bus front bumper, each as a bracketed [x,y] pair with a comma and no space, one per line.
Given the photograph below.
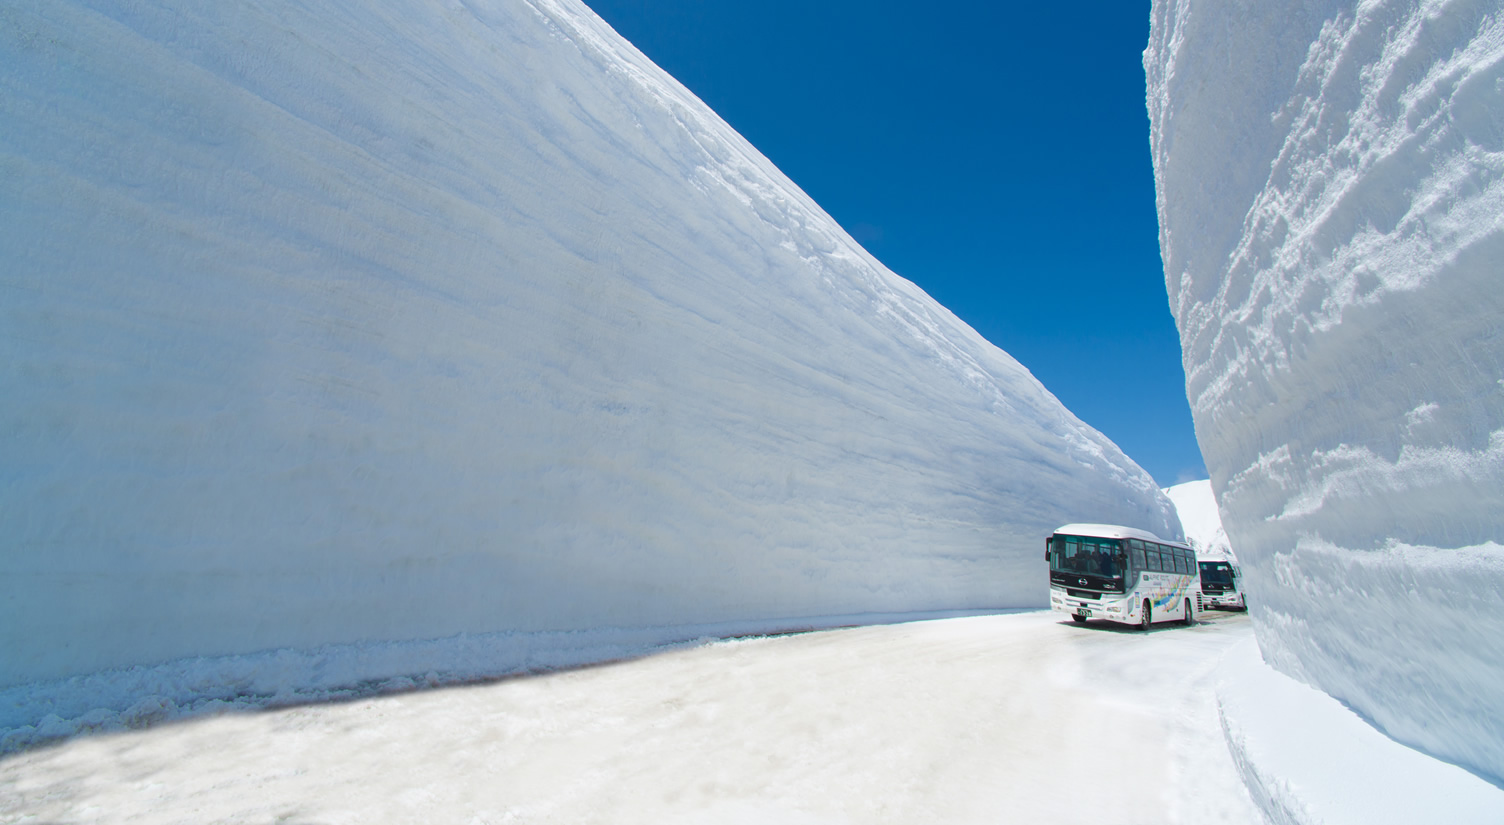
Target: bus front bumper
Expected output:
[1210,600]
[1108,606]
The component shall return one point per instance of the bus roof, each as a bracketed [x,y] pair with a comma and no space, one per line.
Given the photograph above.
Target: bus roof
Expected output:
[1114,531]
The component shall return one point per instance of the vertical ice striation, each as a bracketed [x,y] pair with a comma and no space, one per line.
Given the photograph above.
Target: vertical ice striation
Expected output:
[1331,197]
[326,324]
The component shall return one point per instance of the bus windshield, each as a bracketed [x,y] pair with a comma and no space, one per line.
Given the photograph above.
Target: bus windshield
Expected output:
[1216,572]
[1086,555]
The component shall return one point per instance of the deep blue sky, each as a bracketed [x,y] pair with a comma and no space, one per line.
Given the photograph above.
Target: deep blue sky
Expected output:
[995,154]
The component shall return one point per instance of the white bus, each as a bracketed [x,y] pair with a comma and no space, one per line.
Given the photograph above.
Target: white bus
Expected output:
[1106,571]
[1221,583]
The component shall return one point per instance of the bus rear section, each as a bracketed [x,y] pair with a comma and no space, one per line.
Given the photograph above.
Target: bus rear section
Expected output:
[1121,574]
[1221,584]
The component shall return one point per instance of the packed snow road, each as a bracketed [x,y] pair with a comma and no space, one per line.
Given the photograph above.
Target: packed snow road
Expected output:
[1020,717]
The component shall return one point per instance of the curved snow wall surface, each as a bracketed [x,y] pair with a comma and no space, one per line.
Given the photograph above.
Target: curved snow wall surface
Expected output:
[1331,199]
[330,323]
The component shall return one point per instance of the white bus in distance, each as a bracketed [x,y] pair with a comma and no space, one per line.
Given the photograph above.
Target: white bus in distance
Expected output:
[1221,584]
[1107,571]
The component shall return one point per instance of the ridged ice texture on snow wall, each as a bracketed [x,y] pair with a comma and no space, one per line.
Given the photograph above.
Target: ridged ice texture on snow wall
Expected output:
[1331,198]
[330,323]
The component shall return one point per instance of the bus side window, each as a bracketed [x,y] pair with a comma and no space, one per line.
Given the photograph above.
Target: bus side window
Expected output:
[1137,555]
[1155,562]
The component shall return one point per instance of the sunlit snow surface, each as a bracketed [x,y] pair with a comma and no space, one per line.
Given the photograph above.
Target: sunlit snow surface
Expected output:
[1014,718]
[327,327]
[1331,193]
[1196,506]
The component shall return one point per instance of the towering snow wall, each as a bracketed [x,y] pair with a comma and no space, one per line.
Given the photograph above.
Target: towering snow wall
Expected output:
[1331,199]
[330,324]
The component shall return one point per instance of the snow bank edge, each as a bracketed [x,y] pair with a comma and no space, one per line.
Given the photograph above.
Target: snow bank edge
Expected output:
[1307,758]
[137,697]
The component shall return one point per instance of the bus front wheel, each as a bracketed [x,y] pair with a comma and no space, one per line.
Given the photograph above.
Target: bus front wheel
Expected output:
[1190,618]
[1146,619]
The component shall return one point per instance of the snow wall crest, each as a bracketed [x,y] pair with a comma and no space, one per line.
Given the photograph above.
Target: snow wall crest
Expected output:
[361,325]
[1330,181]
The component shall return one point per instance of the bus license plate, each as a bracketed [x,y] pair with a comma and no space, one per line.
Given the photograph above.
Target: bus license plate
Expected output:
[1083,613]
